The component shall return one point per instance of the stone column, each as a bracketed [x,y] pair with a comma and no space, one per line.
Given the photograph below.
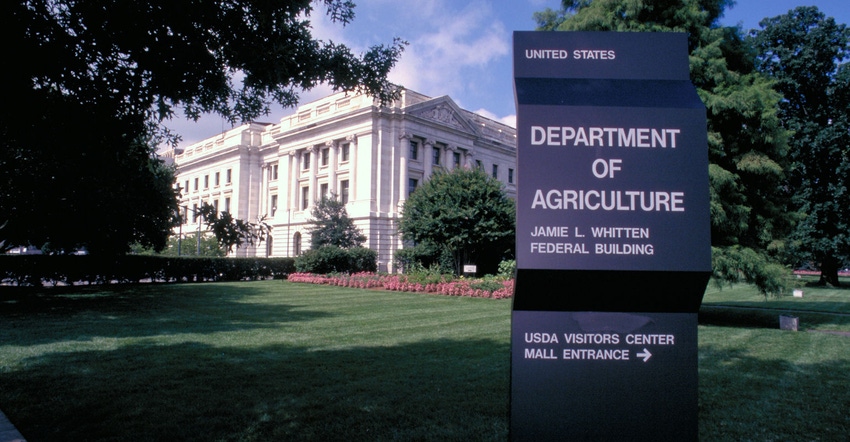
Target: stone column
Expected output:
[264,189]
[428,159]
[284,181]
[404,146]
[467,160]
[311,179]
[332,153]
[294,165]
[450,157]
[352,168]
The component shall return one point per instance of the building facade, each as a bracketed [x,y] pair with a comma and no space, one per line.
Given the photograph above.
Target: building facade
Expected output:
[369,156]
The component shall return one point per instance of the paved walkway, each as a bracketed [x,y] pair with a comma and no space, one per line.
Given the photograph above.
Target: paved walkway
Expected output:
[8,432]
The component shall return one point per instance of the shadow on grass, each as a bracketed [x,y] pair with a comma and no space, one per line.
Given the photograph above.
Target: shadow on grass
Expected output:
[145,310]
[748,398]
[746,316]
[434,390]
[737,317]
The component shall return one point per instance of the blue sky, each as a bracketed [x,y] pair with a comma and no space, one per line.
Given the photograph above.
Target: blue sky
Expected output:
[463,48]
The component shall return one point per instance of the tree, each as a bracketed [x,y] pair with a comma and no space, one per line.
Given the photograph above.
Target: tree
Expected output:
[83,109]
[332,226]
[803,51]
[187,245]
[463,213]
[232,232]
[747,145]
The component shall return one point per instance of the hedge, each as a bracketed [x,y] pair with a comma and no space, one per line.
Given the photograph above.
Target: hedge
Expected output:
[35,270]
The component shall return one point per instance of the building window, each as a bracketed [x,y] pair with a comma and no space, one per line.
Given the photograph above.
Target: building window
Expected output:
[325,156]
[195,213]
[185,215]
[412,183]
[196,185]
[323,190]
[273,204]
[478,165]
[496,171]
[306,160]
[215,205]
[217,179]
[510,176]
[343,191]
[305,197]
[206,181]
[228,176]
[269,246]
[456,159]
[296,243]
[414,150]
[186,187]
[437,153]
[344,152]
[273,172]
[227,204]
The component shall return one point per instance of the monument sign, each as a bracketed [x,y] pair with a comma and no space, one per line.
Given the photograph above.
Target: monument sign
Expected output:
[613,237]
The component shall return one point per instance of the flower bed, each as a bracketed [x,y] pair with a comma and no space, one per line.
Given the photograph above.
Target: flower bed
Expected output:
[401,283]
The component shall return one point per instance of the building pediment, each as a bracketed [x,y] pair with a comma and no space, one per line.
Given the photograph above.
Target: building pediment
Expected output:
[444,112]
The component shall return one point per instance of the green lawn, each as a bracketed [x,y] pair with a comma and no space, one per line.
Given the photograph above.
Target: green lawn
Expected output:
[272,360]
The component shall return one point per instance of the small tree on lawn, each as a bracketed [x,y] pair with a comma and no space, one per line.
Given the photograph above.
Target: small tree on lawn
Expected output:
[464,214]
[232,232]
[331,226]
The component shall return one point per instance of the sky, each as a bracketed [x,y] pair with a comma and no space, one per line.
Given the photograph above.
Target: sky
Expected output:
[462,48]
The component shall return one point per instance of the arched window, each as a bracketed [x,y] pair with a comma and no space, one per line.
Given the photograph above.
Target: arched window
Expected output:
[296,243]
[269,247]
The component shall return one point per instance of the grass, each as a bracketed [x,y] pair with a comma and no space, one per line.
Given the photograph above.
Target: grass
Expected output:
[272,360]
[820,309]
[253,361]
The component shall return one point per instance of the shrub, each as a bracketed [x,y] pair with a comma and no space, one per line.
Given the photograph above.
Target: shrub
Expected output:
[363,259]
[507,269]
[333,259]
[35,270]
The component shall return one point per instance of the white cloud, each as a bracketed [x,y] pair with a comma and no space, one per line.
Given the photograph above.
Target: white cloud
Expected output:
[510,120]
[439,58]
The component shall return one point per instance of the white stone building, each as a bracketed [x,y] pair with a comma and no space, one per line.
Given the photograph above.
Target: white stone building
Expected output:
[370,156]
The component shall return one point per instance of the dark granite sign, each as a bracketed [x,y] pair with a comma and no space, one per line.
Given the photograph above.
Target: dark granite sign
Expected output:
[613,237]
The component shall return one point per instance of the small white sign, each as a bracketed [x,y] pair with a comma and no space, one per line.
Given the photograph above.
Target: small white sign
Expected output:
[470,268]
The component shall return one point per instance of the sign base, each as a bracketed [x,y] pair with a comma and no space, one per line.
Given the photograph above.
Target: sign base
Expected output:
[603,376]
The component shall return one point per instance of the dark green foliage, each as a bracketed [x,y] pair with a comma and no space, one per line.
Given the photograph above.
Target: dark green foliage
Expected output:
[362,259]
[806,53]
[332,226]
[333,259]
[187,245]
[464,214]
[35,270]
[233,232]
[425,255]
[747,144]
[82,111]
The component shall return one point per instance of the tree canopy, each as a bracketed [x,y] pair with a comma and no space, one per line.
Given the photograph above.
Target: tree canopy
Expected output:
[805,52]
[93,82]
[747,143]
[464,214]
[231,232]
[331,226]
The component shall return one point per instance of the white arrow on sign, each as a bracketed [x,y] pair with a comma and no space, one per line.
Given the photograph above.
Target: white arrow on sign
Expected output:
[645,355]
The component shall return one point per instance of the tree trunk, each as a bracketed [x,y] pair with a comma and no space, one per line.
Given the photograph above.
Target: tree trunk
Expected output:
[829,272]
